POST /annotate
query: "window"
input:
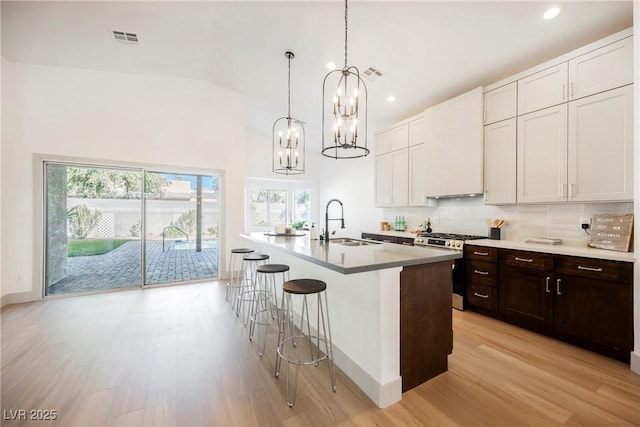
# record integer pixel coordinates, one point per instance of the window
(270, 203)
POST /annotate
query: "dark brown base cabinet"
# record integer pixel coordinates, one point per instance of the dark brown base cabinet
(582, 301)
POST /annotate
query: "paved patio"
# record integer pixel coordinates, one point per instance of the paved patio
(120, 268)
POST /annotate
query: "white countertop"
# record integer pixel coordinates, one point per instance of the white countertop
(580, 251)
(354, 259)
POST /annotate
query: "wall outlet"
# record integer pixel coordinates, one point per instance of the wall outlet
(584, 223)
(436, 220)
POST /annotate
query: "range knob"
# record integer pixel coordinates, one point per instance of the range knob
(458, 244)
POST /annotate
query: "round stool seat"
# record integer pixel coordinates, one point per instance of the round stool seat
(241, 251)
(255, 257)
(272, 268)
(304, 286)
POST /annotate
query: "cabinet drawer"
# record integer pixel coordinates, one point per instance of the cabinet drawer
(482, 296)
(481, 253)
(616, 271)
(407, 241)
(481, 272)
(530, 260)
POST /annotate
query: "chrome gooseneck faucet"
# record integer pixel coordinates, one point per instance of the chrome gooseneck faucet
(327, 219)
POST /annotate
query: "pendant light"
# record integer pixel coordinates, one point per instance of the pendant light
(288, 138)
(344, 112)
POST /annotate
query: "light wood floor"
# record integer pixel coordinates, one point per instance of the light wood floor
(178, 356)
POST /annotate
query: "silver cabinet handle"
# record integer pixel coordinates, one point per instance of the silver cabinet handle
(481, 253)
(523, 259)
(407, 244)
(558, 287)
(484, 273)
(480, 295)
(546, 285)
(598, 269)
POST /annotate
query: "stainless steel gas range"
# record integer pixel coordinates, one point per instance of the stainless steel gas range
(451, 241)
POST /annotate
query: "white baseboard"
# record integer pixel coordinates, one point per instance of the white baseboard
(635, 362)
(17, 298)
(382, 395)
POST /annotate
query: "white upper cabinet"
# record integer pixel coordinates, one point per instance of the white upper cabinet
(417, 131)
(543, 89)
(500, 162)
(500, 103)
(395, 138)
(391, 179)
(601, 146)
(454, 146)
(606, 68)
(542, 156)
(417, 160)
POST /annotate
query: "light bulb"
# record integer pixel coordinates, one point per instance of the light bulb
(355, 92)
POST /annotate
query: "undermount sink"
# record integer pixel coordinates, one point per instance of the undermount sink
(351, 242)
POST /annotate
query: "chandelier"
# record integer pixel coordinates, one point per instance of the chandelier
(344, 112)
(288, 138)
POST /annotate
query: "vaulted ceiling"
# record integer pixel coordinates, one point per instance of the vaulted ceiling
(427, 51)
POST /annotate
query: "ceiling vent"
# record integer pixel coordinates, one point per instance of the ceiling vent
(121, 36)
(372, 74)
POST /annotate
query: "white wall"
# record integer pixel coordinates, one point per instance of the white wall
(113, 118)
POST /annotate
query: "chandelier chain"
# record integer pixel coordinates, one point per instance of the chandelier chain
(289, 89)
(345, 32)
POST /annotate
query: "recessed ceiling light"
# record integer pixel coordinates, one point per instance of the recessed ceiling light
(331, 66)
(391, 98)
(551, 13)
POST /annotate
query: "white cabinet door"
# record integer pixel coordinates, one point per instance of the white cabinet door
(601, 146)
(400, 178)
(383, 176)
(606, 68)
(542, 156)
(399, 137)
(382, 142)
(543, 89)
(500, 103)
(417, 160)
(500, 163)
(417, 131)
(454, 146)
(392, 179)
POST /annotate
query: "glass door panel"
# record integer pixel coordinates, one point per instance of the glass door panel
(92, 228)
(181, 227)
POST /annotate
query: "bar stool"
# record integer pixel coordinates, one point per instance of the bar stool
(292, 346)
(234, 275)
(247, 289)
(265, 311)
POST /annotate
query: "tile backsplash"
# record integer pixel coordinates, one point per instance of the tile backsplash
(467, 215)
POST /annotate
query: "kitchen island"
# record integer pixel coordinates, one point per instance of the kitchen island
(389, 307)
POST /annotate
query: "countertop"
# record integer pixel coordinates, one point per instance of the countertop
(354, 259)
(579, 251)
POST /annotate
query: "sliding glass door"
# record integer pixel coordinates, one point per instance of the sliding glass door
(181, 228)
(99, 228)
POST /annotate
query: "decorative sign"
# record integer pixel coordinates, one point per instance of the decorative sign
(612, 231)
